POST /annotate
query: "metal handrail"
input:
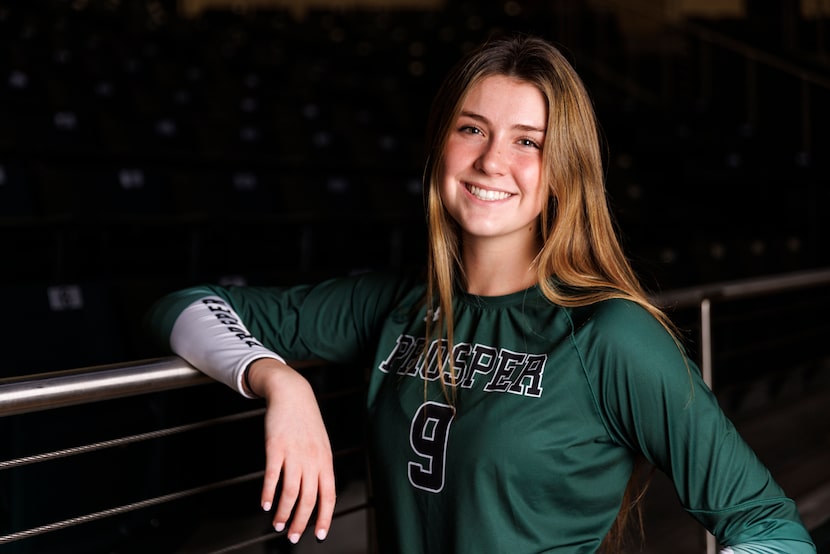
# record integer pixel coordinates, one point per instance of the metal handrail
(46, 391)
(43, 391)
(742, 288)
(702, 297)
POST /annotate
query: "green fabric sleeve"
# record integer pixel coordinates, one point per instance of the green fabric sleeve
(654, 401)
(336, 320)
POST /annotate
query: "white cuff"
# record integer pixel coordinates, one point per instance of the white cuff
(211, 336)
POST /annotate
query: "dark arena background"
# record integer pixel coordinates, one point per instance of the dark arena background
(148, 145)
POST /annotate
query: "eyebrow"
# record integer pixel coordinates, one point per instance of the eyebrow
(520, 126)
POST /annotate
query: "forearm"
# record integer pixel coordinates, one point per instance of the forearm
(211, 336)
(204, 329)
(266, 376)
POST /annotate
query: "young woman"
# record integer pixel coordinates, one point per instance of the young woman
(513, 388)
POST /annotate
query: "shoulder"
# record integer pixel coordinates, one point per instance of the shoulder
(617, 320)
(619, 340)
(638, 371)
(385, 288)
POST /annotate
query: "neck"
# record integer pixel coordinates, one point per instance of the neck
(494, 269)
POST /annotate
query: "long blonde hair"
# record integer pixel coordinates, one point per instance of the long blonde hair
(581, 260)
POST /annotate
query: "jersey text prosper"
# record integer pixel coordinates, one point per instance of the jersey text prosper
(513, 372)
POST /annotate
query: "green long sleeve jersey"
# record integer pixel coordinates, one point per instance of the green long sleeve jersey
(531, 448)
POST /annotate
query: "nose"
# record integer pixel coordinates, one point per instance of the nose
(491, 160)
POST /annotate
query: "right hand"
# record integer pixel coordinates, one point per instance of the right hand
(297, 450)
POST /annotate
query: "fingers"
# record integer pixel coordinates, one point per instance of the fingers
(304, 499)
(325, 506)
(269, 483)
(299, 468)
(298, 497)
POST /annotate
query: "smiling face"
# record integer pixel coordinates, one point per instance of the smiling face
(490, 177)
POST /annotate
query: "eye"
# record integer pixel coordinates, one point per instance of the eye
(470, 130)
(529, 143)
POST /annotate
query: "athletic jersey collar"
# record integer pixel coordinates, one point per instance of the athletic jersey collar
(506, 300)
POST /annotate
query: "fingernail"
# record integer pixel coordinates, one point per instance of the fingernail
(294, 538)
(279, 527)
(321, 535)
(266, 506)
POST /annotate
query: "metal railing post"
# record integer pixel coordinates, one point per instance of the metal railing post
(706, 340)
(706, 370)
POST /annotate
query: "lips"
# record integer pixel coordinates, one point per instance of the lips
(487, 195)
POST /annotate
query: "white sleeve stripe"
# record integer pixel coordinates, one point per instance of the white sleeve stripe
(211, 336)
(771, 546)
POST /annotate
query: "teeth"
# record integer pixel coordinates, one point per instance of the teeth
(488, 195)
